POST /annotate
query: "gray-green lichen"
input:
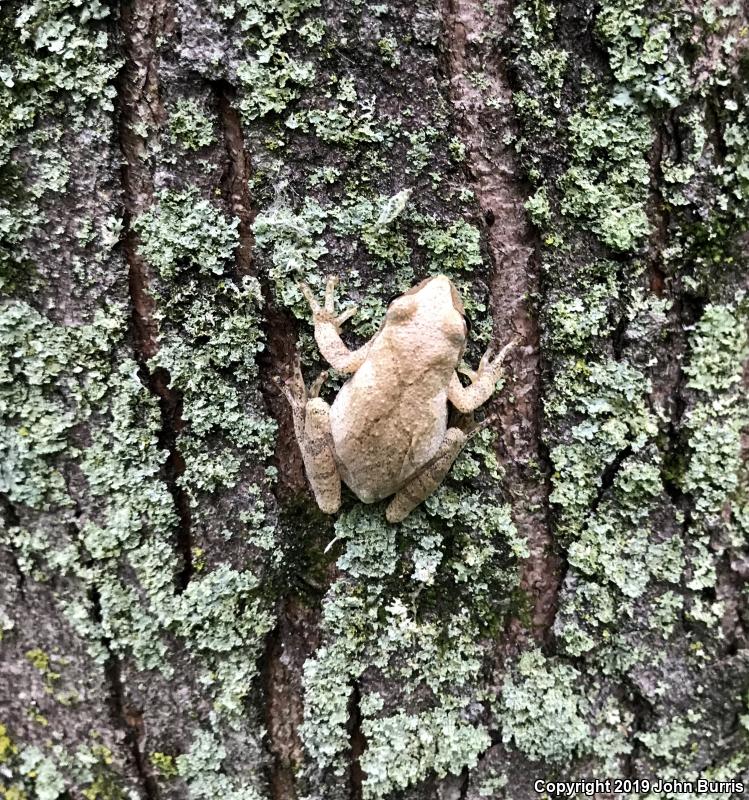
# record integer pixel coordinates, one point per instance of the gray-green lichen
(543, 711)
(719, 348)
(190, 125)
(403, 749)
(50, 773)
(55, 67)
(376, 628)
(269, 76)
(183, 230)
(639, 490)
(201, 769)
(44, 394)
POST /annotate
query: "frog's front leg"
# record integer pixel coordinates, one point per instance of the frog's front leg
(311, 415)
(469, 398)
(328, 330)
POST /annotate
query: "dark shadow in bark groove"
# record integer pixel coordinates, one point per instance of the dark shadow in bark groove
(141, 23)
(357, 743)
(641, 711)
(492, 169)
(128, 719)
(237, 173)
(657, 213)
(609, 476)
(282, 771)
(170, 405)
(276, 361)
(11, 520)
(465, 784)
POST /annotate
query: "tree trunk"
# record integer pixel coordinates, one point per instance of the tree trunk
(177, 617)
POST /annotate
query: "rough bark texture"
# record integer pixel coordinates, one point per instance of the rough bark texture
(177, 619)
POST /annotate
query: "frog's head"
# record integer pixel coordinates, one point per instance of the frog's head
(430, 320)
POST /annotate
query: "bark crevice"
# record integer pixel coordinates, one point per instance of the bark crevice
(294, 638)
(282, 769)
(357, 743)
(465, 783)
(140, 109)
(491, 168)
(609, 476)
(236, 176)
(288, 644)
(640, 713)
(11, 520)
(669, 378)
(128, 719)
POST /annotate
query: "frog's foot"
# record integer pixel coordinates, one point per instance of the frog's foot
(490, 366)
(326, 313)
(296, 394)
(429, 477)
(468, 424)
(294, 388)
(483, 381)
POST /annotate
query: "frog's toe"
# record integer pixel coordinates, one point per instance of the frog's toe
(496, 362)
(330, 293)
(347, 314)
(293, 388)
(317, 384)
(309, 297)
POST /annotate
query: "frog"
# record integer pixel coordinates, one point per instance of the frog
(388, 432)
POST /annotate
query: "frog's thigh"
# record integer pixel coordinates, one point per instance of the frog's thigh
(317, 453)
(428, 479)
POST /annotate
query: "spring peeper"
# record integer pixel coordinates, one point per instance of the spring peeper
(387, 432)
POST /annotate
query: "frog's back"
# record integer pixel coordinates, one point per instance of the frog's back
(382, 437)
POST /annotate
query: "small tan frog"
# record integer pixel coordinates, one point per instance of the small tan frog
(386, 432)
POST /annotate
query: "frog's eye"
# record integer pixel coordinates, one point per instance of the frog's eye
(455, 337)
(457, 302)
(456, 333)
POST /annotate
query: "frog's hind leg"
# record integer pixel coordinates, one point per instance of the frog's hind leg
(431, 475)
(428, 478)
(311, 416)
(319, 463)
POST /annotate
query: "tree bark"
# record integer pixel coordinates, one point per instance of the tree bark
(177, 617)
